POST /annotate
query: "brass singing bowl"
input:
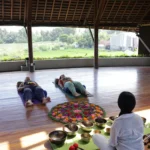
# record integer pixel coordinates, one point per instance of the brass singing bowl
(57, 137)
(70, 129)
(100, 122)
(107, 130)
(87, 125)
(85, 137)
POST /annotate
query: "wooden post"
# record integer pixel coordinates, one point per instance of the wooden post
(96, 37)
(29, 33)
(96, 46)
(91, 34)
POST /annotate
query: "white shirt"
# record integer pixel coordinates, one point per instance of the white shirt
(127, 133)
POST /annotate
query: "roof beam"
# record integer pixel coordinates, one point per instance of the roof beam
(82, 9)
(37, 4)
(139, 10)
(102, 12)
(60, 10)
(52, 10)
(91, 5)
(132, 10)
(101, 15)
(20, 9)
(2, 9)
(118, 10)
(75, 10)
(44, 9)
(11, 9)
(25, 11)
(111, 9)
(98, 12)
(68, 10)
(146, 12)
(125, 10)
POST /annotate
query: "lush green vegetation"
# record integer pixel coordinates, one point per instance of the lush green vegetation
(54, 44)
(51, 50)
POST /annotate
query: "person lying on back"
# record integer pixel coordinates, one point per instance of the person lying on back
(30, 89)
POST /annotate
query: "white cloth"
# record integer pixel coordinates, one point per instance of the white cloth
(126, 134)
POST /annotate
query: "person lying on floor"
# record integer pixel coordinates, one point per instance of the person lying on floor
(127, 130)
(67, 83)
(30, 88)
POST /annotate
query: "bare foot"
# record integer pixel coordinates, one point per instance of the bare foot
(28, 103)
(46, 100)
(77, 94)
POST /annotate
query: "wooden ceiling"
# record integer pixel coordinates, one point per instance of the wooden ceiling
(108, 14)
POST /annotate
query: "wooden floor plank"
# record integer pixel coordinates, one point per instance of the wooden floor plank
(17, 122)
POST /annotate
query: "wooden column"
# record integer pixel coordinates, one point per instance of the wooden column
(96, 46)
(96, 37)
(29, 33)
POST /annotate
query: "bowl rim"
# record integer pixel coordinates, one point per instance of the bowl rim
(65, 135)
(89, 136)
(87, 126)
(100, 122)
(73, 124)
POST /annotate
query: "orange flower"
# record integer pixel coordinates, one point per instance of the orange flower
(60, 115)
(85, 118)
(74, 119)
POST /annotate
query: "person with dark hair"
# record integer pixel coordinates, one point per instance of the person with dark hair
(30, 89)
(127, 130)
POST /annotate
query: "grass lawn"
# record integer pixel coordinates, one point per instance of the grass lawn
(43, 50)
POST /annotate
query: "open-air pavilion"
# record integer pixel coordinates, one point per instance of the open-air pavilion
(20, 127)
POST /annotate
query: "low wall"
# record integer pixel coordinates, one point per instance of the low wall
(76, 63)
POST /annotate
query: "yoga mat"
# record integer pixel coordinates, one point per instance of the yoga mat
(69, 95)
(35, 101)
(85, 146)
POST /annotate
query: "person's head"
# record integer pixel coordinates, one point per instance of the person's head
(56, 81)
(62, 77)
(126, 102)
(27, 79)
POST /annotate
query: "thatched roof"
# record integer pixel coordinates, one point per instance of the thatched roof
(110, 14)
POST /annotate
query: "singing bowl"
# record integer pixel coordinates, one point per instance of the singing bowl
(70, 129)
(146, 139)
(85, 137)
(57, 137)
(87, 125)
(107, 130)
(100, 122)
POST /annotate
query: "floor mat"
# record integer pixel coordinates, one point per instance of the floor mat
(71, 96)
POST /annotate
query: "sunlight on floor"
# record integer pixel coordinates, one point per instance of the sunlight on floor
(32, 139)
(4, 146)
(41, 147)
(145, 114)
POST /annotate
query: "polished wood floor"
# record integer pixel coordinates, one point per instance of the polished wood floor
(27, 129)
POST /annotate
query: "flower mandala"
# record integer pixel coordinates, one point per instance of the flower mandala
(75, 112)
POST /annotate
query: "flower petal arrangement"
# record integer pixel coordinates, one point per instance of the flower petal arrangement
(74, 112)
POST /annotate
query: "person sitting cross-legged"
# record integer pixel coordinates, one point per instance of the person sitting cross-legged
(127, 130)
(31, 89)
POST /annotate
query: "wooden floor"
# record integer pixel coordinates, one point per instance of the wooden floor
(27, 129)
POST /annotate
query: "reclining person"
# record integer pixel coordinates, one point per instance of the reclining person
(75, 87)
(30, 89)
